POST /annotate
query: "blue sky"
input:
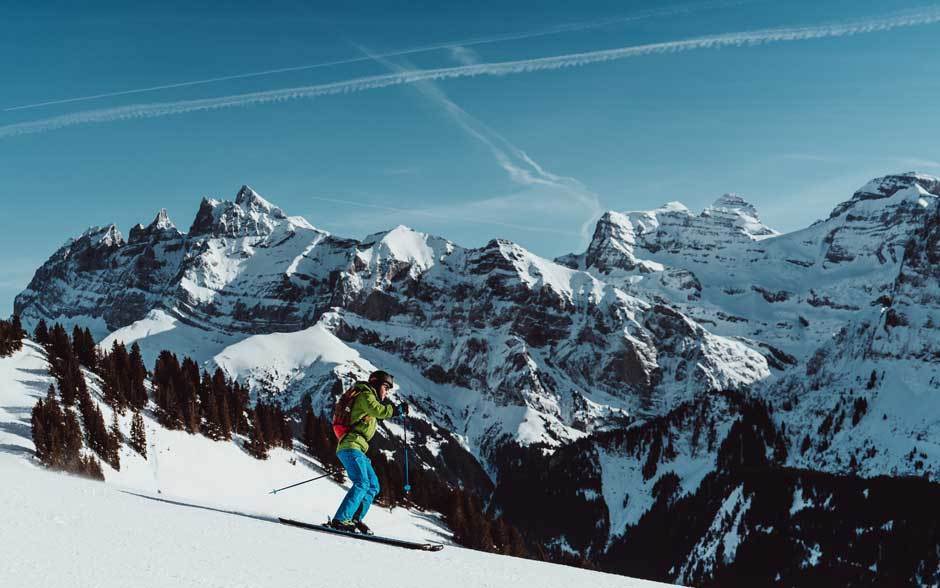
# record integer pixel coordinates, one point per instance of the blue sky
(794, 121)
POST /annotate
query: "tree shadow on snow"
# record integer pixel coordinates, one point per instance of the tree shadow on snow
(16, 450)
(19, 429)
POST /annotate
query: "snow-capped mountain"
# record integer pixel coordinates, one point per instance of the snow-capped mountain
(497, 343)
(652, 374)
(849, 295)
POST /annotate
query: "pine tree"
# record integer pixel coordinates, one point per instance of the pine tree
(83, 347)
(115, 429)
(114, 440)
(59, 345)
(72, 438)
(209, 411)
(56, 435)
(311, 436)
(517, 547)
(41, 333)
(501, 536)
(17, 332)
(91, 468)
(137, 393)
(457, 518)
(42, 439)
(11, 336)
(257, 447)
(138, 435)
(238, 405)
(221, 391)
(166, 376)
(286, 432)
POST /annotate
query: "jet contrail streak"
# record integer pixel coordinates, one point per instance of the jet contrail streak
(740, 39)
(565, 28)
(521, 168)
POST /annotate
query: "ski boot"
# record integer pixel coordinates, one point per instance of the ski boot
(362, 527)
(347, 526)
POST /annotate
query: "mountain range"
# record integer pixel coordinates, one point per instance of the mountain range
(675, 402)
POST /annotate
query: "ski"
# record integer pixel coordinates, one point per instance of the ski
(373, 538)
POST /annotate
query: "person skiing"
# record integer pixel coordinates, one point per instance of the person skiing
(354, 422)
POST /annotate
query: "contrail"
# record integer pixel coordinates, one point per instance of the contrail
(740, 39)
(521, 168)
(555, 30)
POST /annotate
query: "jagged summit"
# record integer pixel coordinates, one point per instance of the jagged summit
(160, 228)
(108, 236)
(887, 186)
(249, 214)
(733, 201)
(249, 199)
(625, 240)
(890, 191)
(162, 221)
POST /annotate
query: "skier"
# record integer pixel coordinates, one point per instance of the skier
(354, 422)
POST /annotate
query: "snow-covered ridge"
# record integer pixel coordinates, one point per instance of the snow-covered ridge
(863, 273)
(890, 191)
(543, 352)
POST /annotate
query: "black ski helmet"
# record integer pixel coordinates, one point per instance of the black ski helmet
(379, 376)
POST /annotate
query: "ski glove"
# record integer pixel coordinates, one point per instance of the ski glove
(401, 409)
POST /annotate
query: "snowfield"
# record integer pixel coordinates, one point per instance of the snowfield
(199, 513)
(65, 531)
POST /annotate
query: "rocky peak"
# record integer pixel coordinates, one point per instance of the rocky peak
(740, 216)
(614, 233)
(107, 236)
(887, 186)
(162, 221)
(891, 190)
(248, 215)
(160, 229)
(250, 200)
(732, 201)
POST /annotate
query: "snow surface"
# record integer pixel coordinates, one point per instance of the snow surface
(199, 513)
(72, 532)
(160, 330)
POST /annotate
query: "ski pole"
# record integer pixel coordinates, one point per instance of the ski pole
(407, 485)
(275, 491)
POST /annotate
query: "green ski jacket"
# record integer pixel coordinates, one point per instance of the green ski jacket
(366, 409)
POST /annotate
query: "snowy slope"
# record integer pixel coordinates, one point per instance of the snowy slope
(136, 529)
(192, 468)
(64, 531)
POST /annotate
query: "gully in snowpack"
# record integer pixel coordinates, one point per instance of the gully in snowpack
(355, 418)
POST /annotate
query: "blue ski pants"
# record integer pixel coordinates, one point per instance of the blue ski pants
(365, 485)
